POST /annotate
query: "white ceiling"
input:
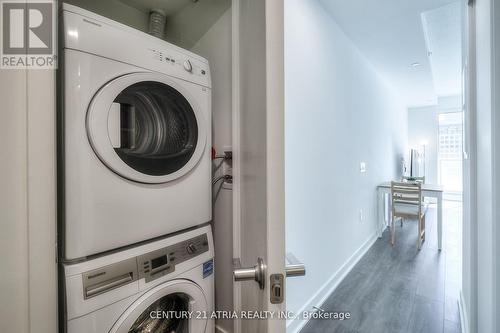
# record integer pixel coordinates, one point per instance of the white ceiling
(391, 35)
(443, 39)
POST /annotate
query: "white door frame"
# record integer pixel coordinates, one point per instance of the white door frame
(472, 305)
(496, 159)
(235, 31)
(274, 12)
(275, 131)
(467, 303)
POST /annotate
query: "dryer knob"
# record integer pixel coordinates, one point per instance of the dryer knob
(191, 248)
(188, 66)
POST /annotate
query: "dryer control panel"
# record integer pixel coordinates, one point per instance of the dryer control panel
(177, 62)
(142, 49)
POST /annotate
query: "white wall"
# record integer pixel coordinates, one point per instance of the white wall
(423, 126)
(187, 26)
(339, 112)
(215, 45)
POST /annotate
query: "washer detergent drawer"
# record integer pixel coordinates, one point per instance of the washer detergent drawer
(97, 288)
(110, 277)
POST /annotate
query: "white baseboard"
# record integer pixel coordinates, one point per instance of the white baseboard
(219, 329)
(464, 318)
(329, 287)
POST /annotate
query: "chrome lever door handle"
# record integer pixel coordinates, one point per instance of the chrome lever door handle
(294, 267)
(256, 273)
(295, 270)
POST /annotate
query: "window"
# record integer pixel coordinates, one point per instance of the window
(450, 151)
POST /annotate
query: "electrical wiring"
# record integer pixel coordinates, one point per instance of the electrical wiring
(224, 177)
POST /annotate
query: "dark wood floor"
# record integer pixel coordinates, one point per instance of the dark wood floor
(398, 289)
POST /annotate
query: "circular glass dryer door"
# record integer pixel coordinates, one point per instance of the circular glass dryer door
(146, 127)
(176, 306)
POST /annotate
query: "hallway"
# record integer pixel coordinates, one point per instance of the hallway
(399, 289)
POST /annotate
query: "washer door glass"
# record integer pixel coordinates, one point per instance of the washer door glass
(168, 314)
(149, 127)
(178, 306)
(158, 130)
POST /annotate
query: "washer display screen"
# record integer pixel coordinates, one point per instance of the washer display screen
(158, 262)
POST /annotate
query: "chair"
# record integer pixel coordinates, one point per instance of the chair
(420, 180)
(406, 199)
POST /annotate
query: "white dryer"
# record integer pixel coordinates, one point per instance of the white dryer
(135, 136)
(163, 286)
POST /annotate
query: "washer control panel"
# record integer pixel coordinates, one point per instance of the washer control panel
(149, 266)
(158, 263)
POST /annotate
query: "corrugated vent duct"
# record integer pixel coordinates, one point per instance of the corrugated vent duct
(157, 21)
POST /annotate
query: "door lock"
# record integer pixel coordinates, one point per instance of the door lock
(277, 288)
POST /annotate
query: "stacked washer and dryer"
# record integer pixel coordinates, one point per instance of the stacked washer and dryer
(134, 181)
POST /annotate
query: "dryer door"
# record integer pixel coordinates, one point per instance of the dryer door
(147, 127)
(176, 306)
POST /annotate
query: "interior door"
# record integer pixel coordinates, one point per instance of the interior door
(258, 169)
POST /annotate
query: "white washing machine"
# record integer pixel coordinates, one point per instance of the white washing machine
(135, 136)
(164, 286)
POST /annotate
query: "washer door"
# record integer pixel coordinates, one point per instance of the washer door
(146, 127)
(164, 309)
